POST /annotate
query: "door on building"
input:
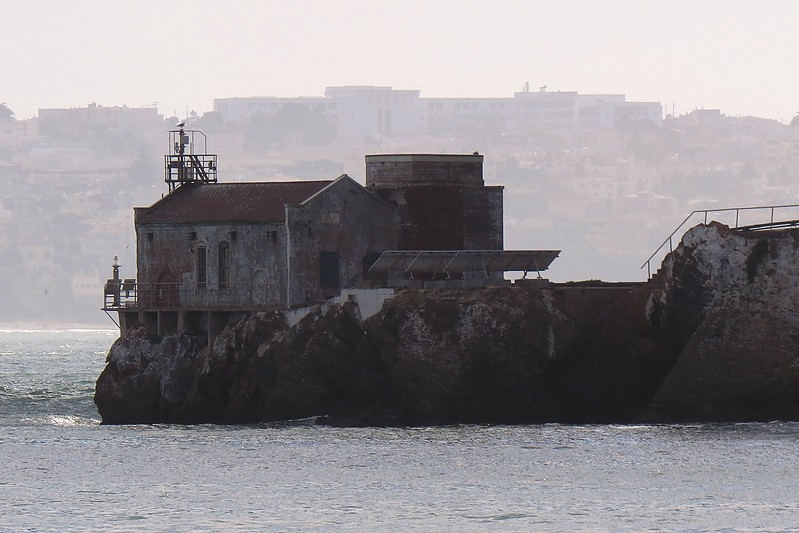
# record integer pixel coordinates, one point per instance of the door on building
(201, 266)
(166, 290)
(223, 266)
(329, 270)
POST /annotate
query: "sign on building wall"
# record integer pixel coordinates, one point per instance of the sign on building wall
(331, 217)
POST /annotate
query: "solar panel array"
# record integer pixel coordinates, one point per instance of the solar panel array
(433, 261)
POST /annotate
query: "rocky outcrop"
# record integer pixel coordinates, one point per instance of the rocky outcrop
(732, 299)
(258, 369)
(715, 338)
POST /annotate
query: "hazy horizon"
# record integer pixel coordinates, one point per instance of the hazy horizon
(182, 55)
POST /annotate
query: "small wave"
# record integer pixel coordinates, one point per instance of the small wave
(64, 421)
(498, 517)
(309, 421)
(511, 516)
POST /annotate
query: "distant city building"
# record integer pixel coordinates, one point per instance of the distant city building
(366, 111)
(363, 111)
(242, 109)
(85, 287)
(97, 118)
(452, 115)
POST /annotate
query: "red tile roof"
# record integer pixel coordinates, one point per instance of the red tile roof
(230, 202)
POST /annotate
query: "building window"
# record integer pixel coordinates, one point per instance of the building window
(329, 270)
(224, 265)
(201, 274)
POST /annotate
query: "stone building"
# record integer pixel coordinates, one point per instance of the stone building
(209, 252)
(230, 246)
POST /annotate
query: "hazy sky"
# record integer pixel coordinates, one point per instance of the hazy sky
(738, 56)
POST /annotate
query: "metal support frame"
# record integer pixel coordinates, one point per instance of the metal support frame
(111, 317)
(185, 165)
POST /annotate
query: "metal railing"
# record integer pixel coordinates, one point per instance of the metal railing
(737, 210)
(189, 168)
(133, 295)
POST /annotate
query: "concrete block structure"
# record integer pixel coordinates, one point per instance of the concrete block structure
(442, 200)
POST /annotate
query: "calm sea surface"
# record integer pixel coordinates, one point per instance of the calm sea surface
(61, 471)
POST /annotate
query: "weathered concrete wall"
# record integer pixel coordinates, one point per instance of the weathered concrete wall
(442, 200)
(449, 218)
(344, 218)
(167, 254)
(369, 302)
(432, 218)
(482, 218)
(400, 170)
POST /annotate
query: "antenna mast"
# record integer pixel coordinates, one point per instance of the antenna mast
(188, 160)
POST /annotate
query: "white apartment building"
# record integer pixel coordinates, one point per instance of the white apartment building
(360, 112)
(365, 111)
(241, 109)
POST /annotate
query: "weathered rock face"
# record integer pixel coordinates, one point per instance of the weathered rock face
(733, 300)
(259, 369)
(716, 338)
(430, 357)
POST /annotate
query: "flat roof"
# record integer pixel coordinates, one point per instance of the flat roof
(471, 158)
(433, 261)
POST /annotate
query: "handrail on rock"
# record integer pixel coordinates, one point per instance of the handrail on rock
(737, 211)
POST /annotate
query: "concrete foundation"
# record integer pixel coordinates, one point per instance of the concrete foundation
(532, 283)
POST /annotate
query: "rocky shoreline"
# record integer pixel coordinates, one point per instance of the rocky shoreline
(714, 338)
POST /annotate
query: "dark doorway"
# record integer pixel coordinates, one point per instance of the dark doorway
(329, 270)
(202, 272)
(224, 264)
(166, 292)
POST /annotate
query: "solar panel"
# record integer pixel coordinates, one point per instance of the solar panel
(433, 261)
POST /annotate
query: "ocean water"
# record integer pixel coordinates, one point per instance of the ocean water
(62, 471)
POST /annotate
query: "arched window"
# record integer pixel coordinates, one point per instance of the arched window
(224, 264)
(201, 265)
